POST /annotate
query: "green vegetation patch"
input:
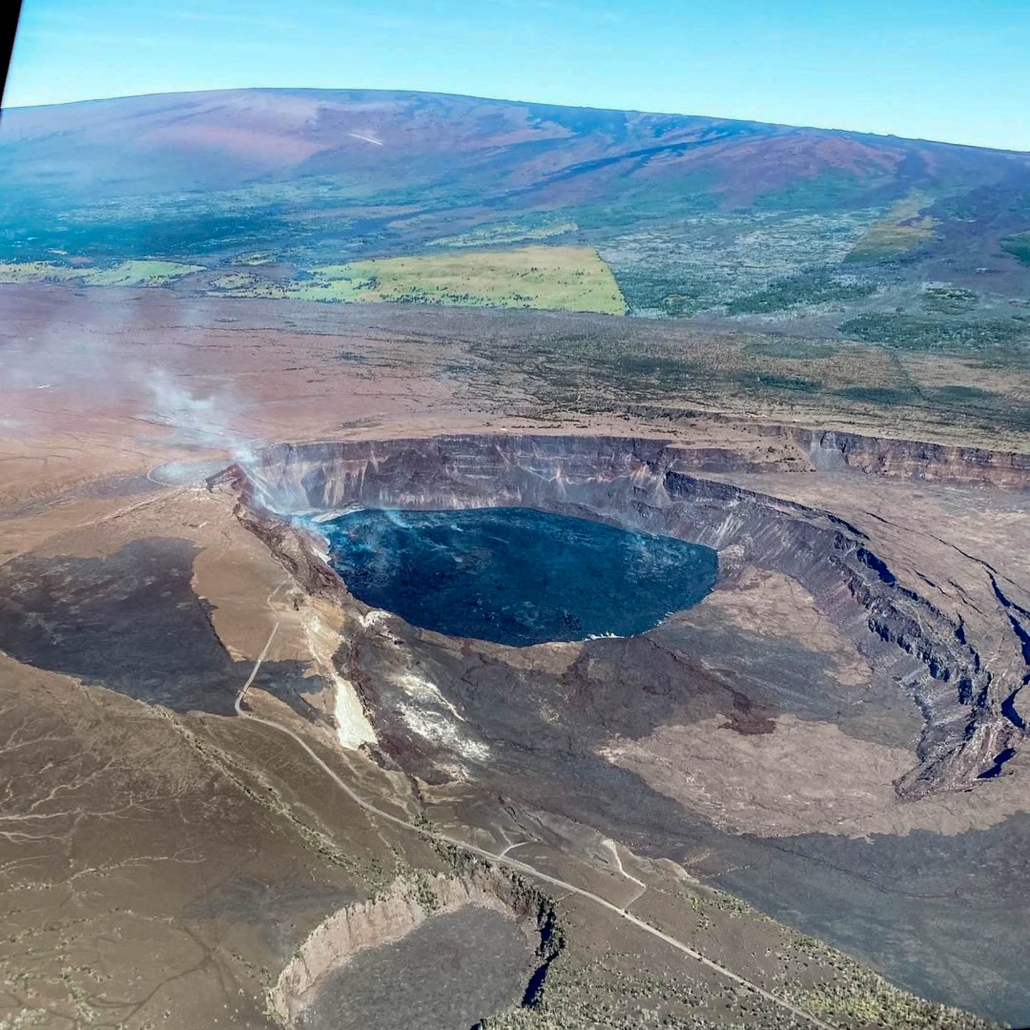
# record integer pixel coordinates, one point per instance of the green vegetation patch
(681, 267)
(140, 273)
(797, 384)
(859, 996)
(125, 273)
(664, 291)
(888, 239)
(945, 299)
(103, 234)
(568, 278)
(255, 257)
(885, 396)
(499, 233)
(828, 191)
(950, 402)
(260, 219)
(640, 201)
(902, 230)
(236, 282)
(965, 393)
(912, 332)
(39, 272)
(810, 286)
(1018, 245)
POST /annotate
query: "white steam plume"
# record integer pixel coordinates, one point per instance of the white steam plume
(200, 420)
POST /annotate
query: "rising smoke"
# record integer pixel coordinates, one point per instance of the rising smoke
(200, 420)
(85, 364)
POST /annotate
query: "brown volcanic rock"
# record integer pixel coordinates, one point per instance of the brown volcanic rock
(230, 846)
(905, 459)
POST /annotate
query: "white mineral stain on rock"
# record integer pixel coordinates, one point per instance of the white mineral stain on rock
(434, 718)
(424, 691)
(434, 726)
(352, 726)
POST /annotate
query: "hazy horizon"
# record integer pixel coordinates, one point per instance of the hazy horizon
(918, 72)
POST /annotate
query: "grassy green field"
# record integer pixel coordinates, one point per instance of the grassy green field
(559, 278)
(902, 230)
(140, 273)
(39, 272)
(124, 273)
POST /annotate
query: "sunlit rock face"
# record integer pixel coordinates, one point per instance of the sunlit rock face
(914, 652)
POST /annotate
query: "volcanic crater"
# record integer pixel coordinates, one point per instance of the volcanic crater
(918, 659)
(434, 952)
(837, 724)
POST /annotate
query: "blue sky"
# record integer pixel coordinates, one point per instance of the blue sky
(939, 70)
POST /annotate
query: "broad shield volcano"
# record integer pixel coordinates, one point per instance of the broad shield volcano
(634, 632)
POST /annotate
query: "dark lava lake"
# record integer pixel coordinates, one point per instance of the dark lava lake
(516, 575)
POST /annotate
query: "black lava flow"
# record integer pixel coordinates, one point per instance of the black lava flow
(516, 576)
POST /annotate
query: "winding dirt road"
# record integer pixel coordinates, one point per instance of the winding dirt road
(502, 859)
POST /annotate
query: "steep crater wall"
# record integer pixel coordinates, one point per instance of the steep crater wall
(433, 951)
(972, 720)
(829, 450)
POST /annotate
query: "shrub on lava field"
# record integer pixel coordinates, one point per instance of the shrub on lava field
(910, 332)
(811, 286)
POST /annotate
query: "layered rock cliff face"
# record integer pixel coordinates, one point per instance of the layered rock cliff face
(829, 450)
(906, 459)
(974, 717)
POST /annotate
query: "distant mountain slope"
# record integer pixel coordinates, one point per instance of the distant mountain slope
(694, 215)
(228, 139)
